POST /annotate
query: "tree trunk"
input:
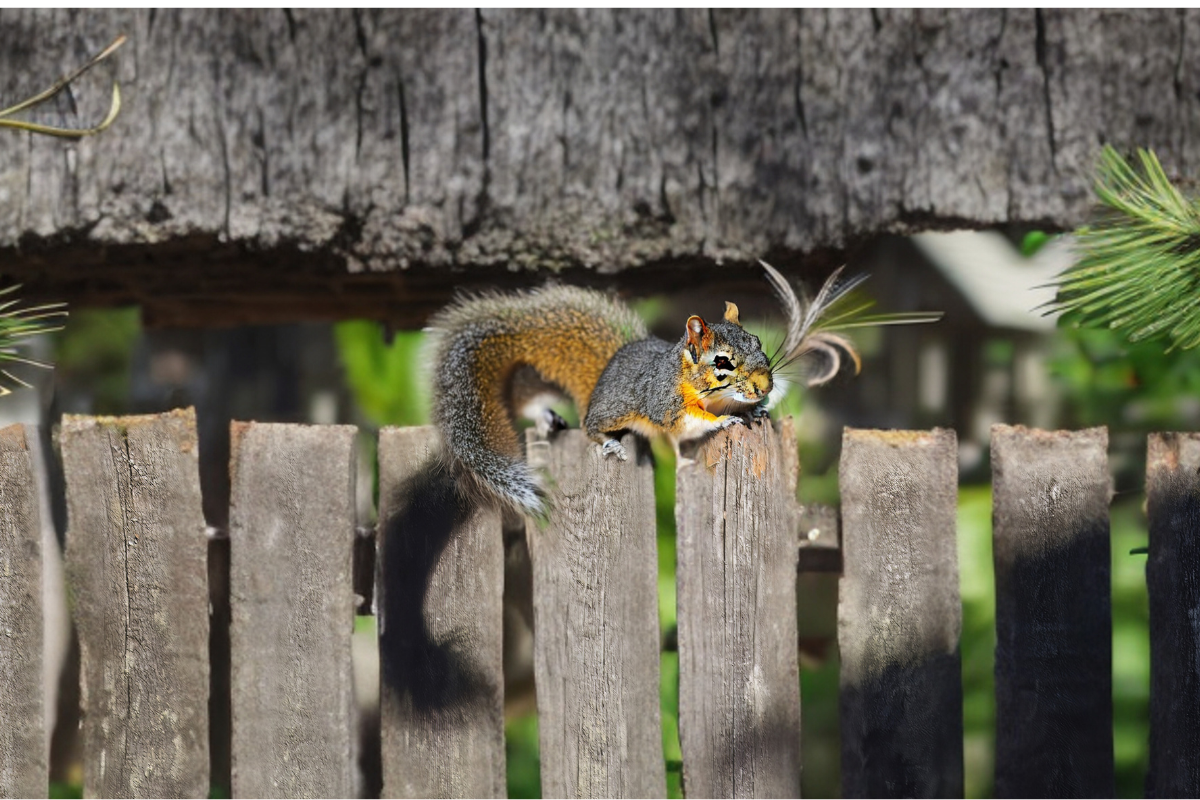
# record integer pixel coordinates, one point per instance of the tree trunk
(275, 164)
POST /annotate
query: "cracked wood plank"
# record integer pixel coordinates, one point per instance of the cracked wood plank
(137, 560)
(1050, 496)
(899, 615)
(1173, 582)
(595, 603)
(440, 585)
(359, 161)
(23, 766)
(291, 596)
(739, 685)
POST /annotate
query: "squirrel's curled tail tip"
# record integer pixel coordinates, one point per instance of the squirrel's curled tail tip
(512, 485)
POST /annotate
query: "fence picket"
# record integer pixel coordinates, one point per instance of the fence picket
(1173, 582)
(137, 558)
(441, 579)
(1050, 500)
(900, 616)
(595, 599)
(739, 687)
(292, 528)
(23, 768)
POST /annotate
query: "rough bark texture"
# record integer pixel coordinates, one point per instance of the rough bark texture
(739, 688)
(1050, 496)
(900, 616)
(137, 557)
(1173, 582)
(441, 584)
(595, 603)
(23, 768)
(286, 164)
(291, 598)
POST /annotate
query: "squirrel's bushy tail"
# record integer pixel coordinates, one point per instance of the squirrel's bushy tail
(482, 349)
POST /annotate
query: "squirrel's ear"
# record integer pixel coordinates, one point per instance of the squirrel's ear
(731, 313)
(697, 333)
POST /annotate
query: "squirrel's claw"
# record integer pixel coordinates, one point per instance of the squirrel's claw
(729, 421)
(758, 412)
(612, 447)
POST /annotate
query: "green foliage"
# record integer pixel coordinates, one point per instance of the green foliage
(94, 351)
(1139, 268)
(385, 378)
(1128, 386)
(1032, 242)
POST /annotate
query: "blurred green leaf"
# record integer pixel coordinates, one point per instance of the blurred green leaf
(387, 379)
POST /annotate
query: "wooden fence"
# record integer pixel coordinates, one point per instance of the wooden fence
(138, 563)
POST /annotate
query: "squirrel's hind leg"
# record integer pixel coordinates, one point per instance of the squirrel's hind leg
(532, 397)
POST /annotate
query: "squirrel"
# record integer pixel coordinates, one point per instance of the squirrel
(499, 355)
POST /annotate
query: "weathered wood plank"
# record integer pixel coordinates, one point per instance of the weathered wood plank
(739, 686)
(900, 616)
(292, 521)
(137, 559)
(440, 589)
(1050, 496)
(1173, 581)
(23, 767)
(596, 646)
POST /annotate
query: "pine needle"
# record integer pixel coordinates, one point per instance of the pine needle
(17, 326)
(1139, 266)
(114, 107)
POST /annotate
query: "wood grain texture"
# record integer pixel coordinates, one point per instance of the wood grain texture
(440, 589)
(1050, 496)
(900, 616)
(137, 561)
(596, 642)
(739, 687)
(334, 163)
(23, 767)
(291, 594)
(1173, 582)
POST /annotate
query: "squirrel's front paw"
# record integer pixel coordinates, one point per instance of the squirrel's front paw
(611, 448)
(730, 421)
(758, 412)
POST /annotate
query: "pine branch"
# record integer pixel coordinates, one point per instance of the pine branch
(1139, 266)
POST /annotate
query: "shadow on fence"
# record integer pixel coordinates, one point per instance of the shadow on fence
(139, 575)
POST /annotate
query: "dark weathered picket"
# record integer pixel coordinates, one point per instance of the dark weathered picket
(441, 568)
(1050, 501)
(595, 600)
(739, 691)
(23, 768)
(1173, 581)
(899, 615)
(291, 597)
(137, 560)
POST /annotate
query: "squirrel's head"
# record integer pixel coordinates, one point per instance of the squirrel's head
(724, 364)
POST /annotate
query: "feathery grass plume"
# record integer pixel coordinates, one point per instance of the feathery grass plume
(815, 327)
(1139, 266)
(17, 326)
(114, 108)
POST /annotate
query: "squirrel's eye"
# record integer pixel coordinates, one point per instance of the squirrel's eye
(721, 362)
